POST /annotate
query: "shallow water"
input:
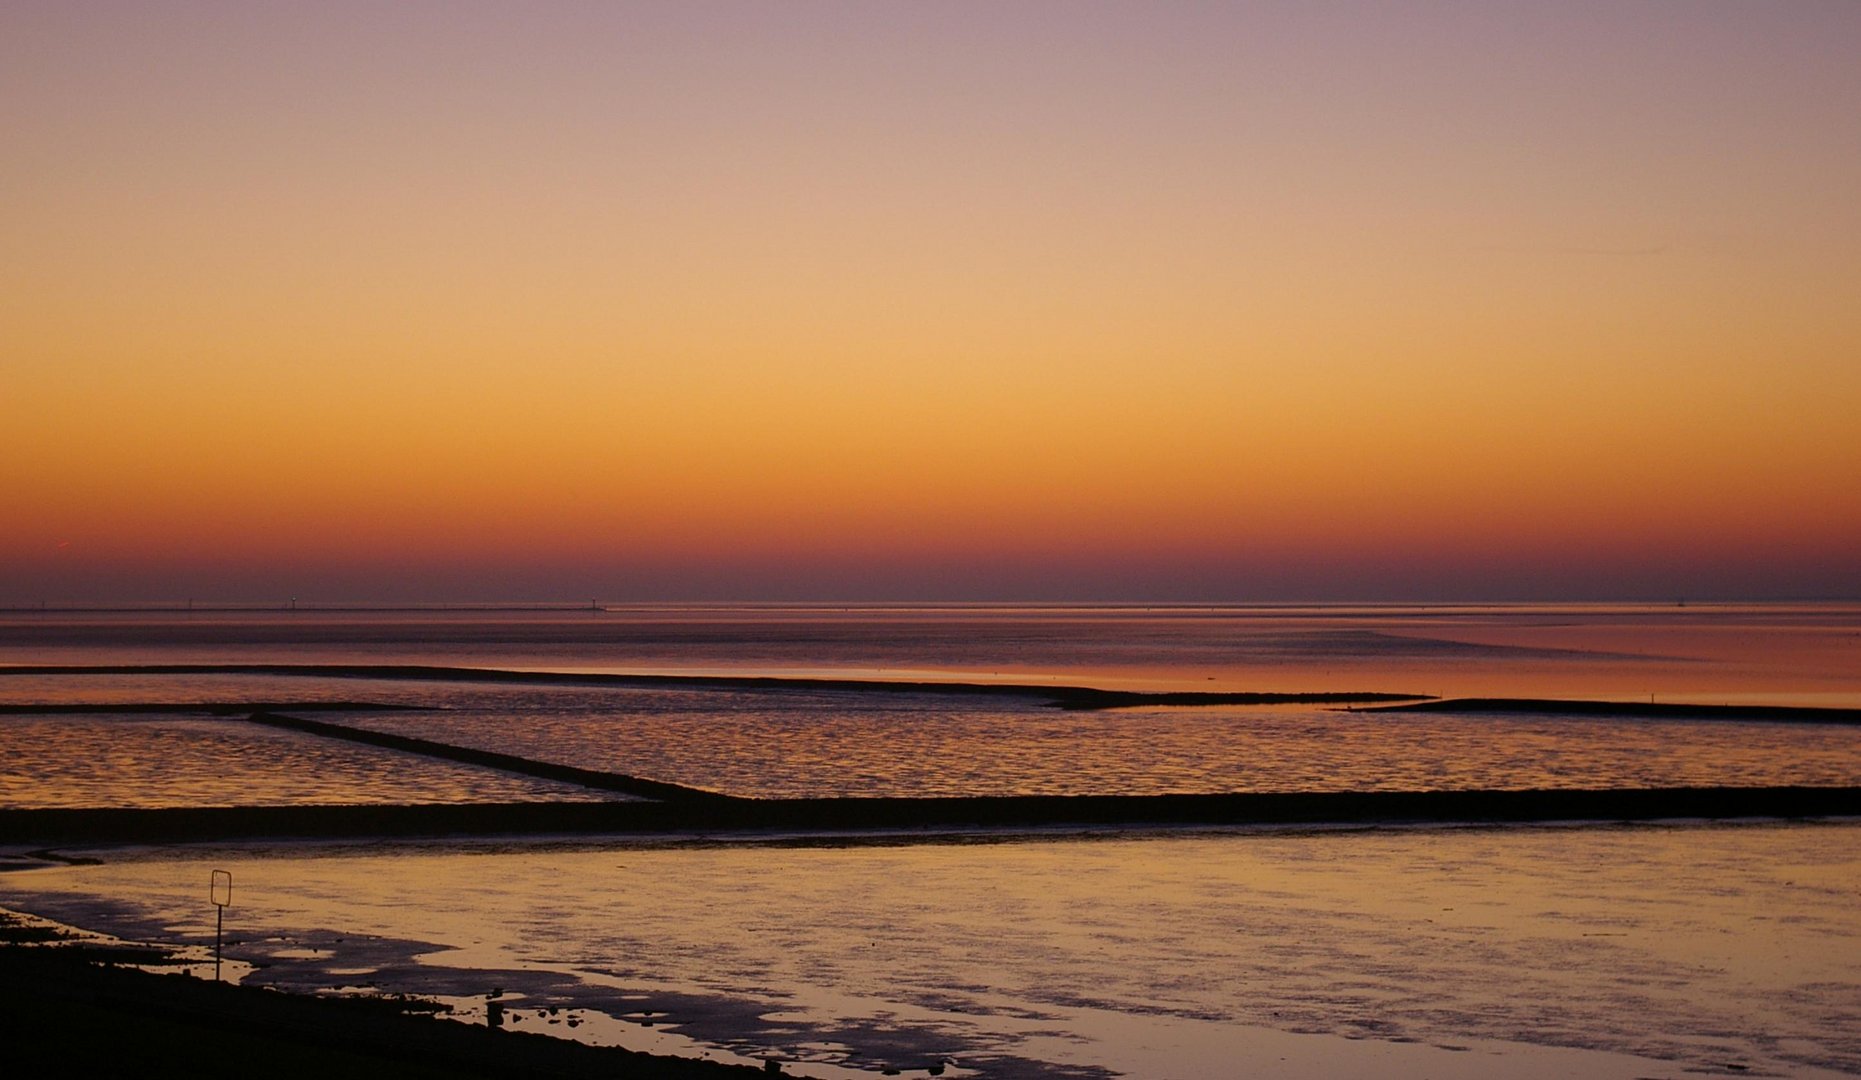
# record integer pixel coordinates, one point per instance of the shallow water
(793, 745)
(1596, 951)
(152, 760)
(803, 743)
(1779, 652)
(1639, 951)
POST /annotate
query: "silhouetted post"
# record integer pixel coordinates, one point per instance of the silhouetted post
(220, 891)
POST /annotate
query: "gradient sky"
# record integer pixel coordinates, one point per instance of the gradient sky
(1244, 301)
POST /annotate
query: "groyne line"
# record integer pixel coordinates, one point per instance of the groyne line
(510, 763)
(874, 816)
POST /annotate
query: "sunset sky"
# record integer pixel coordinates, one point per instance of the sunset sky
(1058, 301)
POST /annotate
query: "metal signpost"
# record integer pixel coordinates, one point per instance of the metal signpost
(220, 891)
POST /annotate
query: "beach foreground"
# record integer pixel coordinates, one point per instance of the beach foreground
(1624, 952)
(868, 844)
(68, 1008)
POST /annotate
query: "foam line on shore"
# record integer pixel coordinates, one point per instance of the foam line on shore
(853, 816)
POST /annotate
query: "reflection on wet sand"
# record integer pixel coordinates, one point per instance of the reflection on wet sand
(1651, 951)
(1636, 951)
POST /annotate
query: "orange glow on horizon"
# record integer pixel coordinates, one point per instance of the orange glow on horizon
(503, 297)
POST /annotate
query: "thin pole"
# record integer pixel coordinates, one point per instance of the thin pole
(219, 923)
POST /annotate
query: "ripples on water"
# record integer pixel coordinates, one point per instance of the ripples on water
(1713, 949)
(1720, 950)
(793, 744)
(154, 761)
(1772, 651)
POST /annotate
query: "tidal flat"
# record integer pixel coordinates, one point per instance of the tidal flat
(1629, 951)
(1233, 872)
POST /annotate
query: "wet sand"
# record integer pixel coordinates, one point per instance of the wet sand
(1451, 954)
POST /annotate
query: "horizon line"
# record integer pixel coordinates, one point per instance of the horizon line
(597, 605)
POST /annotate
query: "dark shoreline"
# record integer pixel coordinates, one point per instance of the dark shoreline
(877, 816)
(66, 1011)
(1641, 710)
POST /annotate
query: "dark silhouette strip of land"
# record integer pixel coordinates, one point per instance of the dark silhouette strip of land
(63, 1013)
(1065, 697)
(638, 787)
(873, 816)
(1648, 710)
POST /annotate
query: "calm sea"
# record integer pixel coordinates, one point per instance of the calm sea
(793, 743)
(1645, 951)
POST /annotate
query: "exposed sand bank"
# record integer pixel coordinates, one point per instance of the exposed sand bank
(1065, 697)
(854, 815)
(1651, 710)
